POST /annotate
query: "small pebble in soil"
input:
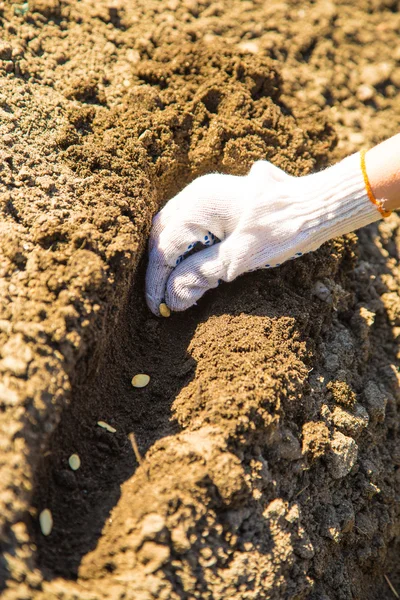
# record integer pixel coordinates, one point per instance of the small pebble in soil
(46, 521)
(164, 310)
(74, 462)
(140, 380)
(105, 425)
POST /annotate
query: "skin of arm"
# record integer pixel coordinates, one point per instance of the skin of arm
(383, 167)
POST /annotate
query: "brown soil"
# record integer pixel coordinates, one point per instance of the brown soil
(269, 434)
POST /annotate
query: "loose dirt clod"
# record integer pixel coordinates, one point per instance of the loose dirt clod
(46, 521)
(140, 380)
(74, 462)
(105, 425)
(164, 310)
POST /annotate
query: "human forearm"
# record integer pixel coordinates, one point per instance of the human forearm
(383, 167)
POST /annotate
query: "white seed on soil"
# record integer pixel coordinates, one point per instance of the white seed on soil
(140, 380)
(164, 310)
(74, 462)
(46, 521)
(105, 425)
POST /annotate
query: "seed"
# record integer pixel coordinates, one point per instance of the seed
(140, 380)
(105, 425)
(74, 462)
(46, 521)
(164, 310)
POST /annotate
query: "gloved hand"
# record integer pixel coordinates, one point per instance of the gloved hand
(246, 223)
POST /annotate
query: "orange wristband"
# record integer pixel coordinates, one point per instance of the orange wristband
(378, 203)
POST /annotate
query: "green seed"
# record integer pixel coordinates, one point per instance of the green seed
(46, 521)
(140, 380)
(105, 425)
(74, 462)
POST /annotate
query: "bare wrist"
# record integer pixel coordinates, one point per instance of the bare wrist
(383, 168)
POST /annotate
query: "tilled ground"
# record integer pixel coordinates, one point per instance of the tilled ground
(268, 436)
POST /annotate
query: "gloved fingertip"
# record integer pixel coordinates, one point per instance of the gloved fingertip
(181, 295)
(178, 304)
(153, 304)
(197, 274)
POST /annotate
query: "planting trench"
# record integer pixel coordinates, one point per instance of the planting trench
(268, 435)
(248, 491)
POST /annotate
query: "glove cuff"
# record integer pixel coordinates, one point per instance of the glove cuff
(339, 202)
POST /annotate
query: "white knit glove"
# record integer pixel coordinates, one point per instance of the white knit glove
(259, 221)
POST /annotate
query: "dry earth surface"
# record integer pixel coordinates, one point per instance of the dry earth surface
(270, 430)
